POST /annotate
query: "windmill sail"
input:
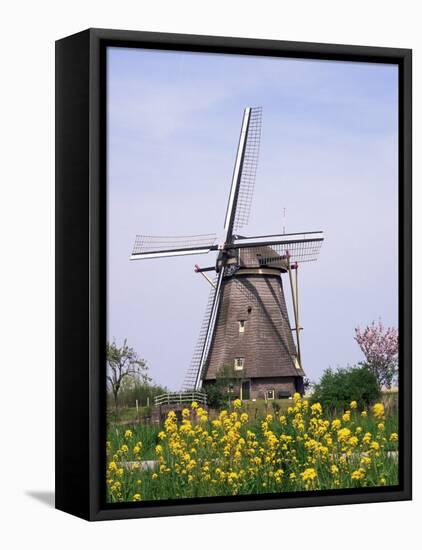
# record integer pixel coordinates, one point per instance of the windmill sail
(243, 181)
(193, 376)
(192, 372)
(249, 168)
(148, 246)
(272, 249)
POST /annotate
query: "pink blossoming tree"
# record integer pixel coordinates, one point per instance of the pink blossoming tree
(380, 347)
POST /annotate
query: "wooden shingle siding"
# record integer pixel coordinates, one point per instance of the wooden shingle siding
(266, 344)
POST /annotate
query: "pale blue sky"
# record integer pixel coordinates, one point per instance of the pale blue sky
(328, 155)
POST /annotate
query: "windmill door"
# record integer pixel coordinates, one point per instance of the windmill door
(246, 390)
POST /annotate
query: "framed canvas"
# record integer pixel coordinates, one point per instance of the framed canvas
(254, 159)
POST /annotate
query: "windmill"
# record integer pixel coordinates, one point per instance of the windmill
(246, 325)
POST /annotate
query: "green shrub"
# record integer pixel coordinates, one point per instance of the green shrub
(337, 389)
(216, 396)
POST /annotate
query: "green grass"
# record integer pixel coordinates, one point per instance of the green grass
(129, 414)
(175, 485)
(146, 434)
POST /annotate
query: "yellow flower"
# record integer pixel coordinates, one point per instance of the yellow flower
(343, 434)
(186, 413)
(162, 435)
(334, 469)
(278, 475)
(375, 445)
(112, 466)
(124, 448)
(353, 404)
(128, 434)
(378, 410)
(358, 474)
(364, 414)
(296, 396)
(136, 497)
(194, 405)
(158, 449)
(185, 428)
(346, 416)
(335, 424)
(292, 476)
(381, 426)
(383, 481)
(316, 408)
(309, 474)
(154, 476)
(116, 486)
(394, 437)
(237, 403)
(244, 418)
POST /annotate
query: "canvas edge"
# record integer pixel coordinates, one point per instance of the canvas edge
(72, 417)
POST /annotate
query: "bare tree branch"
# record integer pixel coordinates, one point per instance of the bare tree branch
(123, 362)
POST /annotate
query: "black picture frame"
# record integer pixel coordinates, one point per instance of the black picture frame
(81, 274)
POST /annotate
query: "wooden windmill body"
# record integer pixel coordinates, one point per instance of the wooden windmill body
(253, 335)
(246, 328)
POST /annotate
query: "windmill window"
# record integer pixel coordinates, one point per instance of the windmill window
(270, 394)
(242, 326)
(239, 363)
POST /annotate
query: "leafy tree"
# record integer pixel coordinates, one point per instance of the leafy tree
(218, 392)
(380, 347)
(216, 396)
(337, 389)
(123, 363)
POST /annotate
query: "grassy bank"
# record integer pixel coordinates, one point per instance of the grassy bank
(249, 450)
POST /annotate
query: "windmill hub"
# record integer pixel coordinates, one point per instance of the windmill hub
(246, 328)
